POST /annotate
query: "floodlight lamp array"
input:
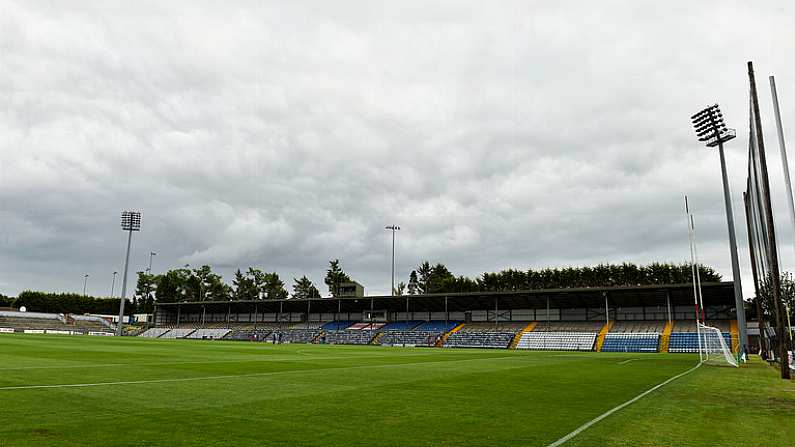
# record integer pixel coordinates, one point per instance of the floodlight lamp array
(710, 127)
(131, 221)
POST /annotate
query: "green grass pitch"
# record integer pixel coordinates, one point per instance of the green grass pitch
(140, 392)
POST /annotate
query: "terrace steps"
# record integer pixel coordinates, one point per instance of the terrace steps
(446, 335)
(528, 328)
(377, 339)
(316, 338)
(600, 338)
(666, 336)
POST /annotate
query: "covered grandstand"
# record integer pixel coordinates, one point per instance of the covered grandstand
(617, 319)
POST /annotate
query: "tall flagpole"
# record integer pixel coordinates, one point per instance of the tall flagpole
(775, 279)
(783, 148)
(693, 272)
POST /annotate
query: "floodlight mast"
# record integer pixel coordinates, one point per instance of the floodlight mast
(711, 129)
(130, 221)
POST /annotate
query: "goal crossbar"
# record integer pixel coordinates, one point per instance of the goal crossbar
(713, 346)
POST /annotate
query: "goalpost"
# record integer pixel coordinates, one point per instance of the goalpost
(714, 349)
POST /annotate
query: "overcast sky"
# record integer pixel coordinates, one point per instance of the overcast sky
(283, 134)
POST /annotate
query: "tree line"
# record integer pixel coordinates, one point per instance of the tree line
(427, 278)
(202, 284)
(66, 303)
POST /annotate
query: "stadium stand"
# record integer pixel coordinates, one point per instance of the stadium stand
(410, 338)
(425, 334)
(557, 341)
(155, 332)
(643, 327)
(688, 341)
(179, 332)
(208, 333)
(437, 326)
(684, 337)
(631, 342)
(569, 326)
(293, 335)
(337, 325)
(347, 337)
(484, 335)
(401, 325)
(248, 334)
(52, 323)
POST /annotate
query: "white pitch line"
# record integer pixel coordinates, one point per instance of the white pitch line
(275, 358)
(627, 361)
(234, 376)
(640, 396)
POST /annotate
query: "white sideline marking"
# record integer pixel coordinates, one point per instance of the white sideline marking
(193, 362)
(233, 376)
(627, 361)
(640, 396)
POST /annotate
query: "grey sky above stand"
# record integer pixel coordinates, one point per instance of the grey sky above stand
(284, 135)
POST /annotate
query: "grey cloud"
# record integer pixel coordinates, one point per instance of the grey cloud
(285, 134)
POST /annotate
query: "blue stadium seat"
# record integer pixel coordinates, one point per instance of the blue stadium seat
(631, 342)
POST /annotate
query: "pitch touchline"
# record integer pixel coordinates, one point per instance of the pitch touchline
(627, 361)
(640, 396)
(231, 376)
(193, 362)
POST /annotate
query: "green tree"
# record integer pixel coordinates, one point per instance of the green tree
(6, 301)
(413, 286)
(172, 286)
(424, 273)
(399, 289)
(244, 287)
(303, 288)
(334, 277)
(273, 287)
(145, 291)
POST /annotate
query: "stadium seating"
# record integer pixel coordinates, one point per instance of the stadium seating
(569, 326)
(248, 334)
(208, 333)
(688, 341)
(154, 332)
(293, 335)
(179, 332)
(558, 341)
(348, 337)
(401, 325)
(479, 339)
(54, 323)
(690, 325)
(410, 338)
(631, 342)
(425, 334)
(484, 335)
(336, 325)
(638, 327)
(437, 326)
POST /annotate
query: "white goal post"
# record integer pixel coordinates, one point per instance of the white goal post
(713, 348)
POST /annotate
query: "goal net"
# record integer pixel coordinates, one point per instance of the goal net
(713, 347)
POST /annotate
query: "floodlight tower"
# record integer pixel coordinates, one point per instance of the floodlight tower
(711, 129)
(113, 284)
(149, 269)
(393, 228)
(130, 221)
(85, 282)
